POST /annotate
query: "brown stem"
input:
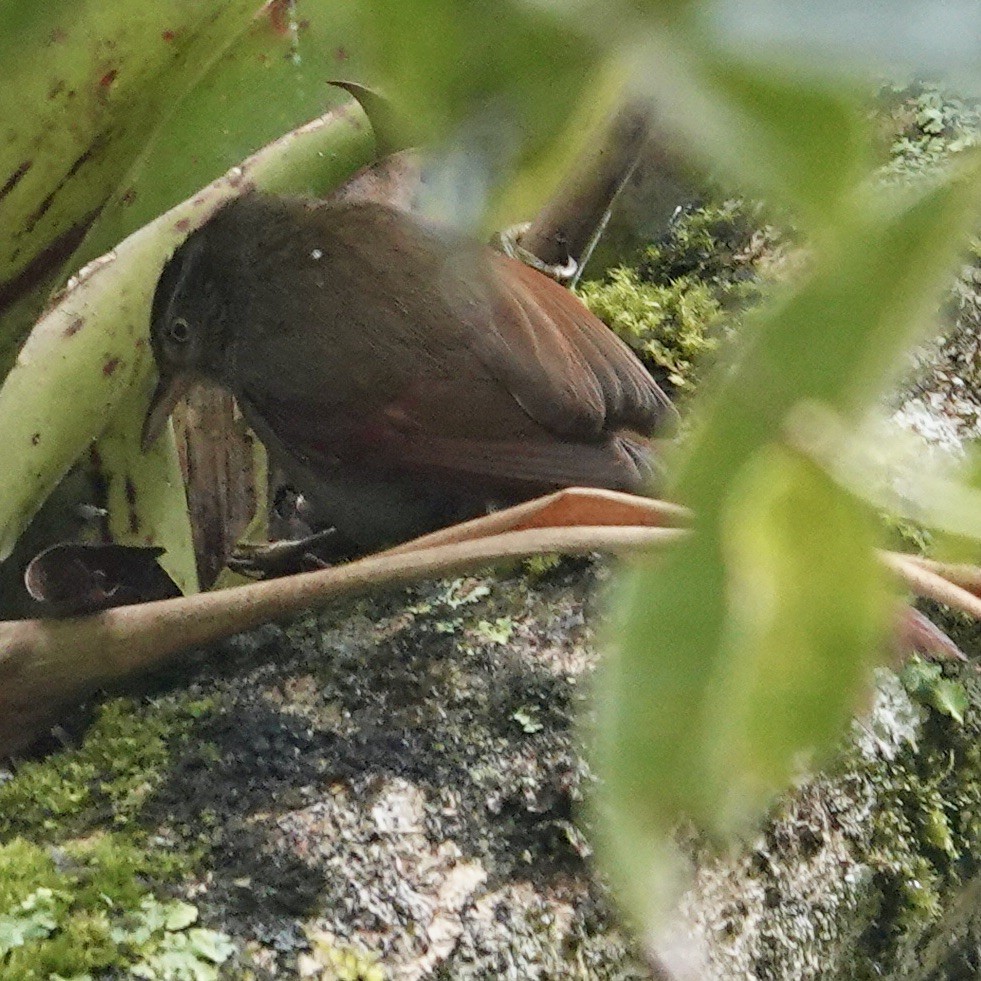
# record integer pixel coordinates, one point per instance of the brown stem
(966, 576)
(45, 664)
(931, 585)
(568, 225)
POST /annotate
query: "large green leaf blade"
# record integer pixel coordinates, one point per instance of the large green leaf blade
(283, 74)
(84, 85)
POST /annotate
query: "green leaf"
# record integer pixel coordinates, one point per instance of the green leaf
(936, 37)
(839, 338)
(84, 84)
(284, 71)
(448, 61)
(499, 84)
(926, 683)
(801, 142)
(805, 610)
(178, 915)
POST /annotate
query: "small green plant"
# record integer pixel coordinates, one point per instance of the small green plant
(87, 907)
(670, 326)
(926, 683)
(923, 124)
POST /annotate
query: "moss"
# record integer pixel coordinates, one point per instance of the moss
(78, 864)
(72, 901)
(683, 295)
(125, 755)
(671, 326)
(925, 829)
(726, 244)
(339, 962)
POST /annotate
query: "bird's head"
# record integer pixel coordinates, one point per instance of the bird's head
(189, 323)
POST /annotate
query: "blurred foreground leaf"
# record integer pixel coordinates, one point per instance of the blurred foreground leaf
(805, 609)
(779, 565)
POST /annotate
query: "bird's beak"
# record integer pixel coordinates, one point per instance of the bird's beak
(169, 391)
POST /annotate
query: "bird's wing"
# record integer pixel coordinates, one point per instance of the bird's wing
(481, 365)
(483, 443)
(565, 367)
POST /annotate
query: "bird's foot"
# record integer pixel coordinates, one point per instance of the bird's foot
(266, 560)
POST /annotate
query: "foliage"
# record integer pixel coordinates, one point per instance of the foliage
(921, 125)
(121, 762)
(671, 327)
(686, 293)
(925, 682)
(329, 961)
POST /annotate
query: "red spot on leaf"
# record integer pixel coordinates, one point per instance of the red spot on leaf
(109, 77)
(129, 196)
(279, 15)
(74, 327)
(168, 36)
(182, 224)
(341, 53)
(110, 366)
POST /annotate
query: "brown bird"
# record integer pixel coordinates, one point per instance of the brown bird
(404, 377)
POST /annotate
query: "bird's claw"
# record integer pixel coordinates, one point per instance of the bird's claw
(266, 560)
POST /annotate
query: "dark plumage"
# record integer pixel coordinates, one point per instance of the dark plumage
(404, 377)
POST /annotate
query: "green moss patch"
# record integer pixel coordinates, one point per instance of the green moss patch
(81, 873)
(683, 295)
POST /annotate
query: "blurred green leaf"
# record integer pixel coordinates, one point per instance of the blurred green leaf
(674, 636)
(447, 61)
(839, 338)
(805, 608)
(801, 142)
(497, 82)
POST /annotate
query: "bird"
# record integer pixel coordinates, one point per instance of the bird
(403, 375)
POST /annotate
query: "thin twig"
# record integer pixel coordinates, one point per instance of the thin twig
(927, 583)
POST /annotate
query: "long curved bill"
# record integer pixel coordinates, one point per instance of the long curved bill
(169, 391)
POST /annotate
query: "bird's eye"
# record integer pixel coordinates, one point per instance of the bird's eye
(179, 330)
